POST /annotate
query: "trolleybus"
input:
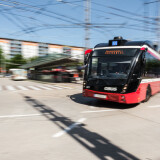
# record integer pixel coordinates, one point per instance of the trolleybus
(122, 71)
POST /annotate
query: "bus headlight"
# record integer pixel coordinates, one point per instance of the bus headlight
(124, 88)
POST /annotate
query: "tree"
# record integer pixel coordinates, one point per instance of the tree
(31, 59)
(16, 61)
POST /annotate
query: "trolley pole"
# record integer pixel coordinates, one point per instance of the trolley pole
(87, 24)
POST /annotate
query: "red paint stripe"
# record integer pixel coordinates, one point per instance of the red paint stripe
(153, 54)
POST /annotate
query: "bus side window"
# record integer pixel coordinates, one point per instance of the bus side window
(151, 67)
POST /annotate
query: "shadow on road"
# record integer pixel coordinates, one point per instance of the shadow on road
(78, 98)
(94, 142)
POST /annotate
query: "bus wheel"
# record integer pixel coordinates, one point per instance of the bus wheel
(148, 93)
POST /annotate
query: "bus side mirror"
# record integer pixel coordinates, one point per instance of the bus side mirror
(144, 55)
(144, 61)
(86, 55)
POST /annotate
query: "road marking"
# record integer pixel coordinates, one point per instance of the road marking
(44, 87)
(11, 88)
(108, 158)
(34, 88)
(156, 106)
(54, 87)
(0, 88)
(64, 87)
(22, 88)
(66, 130)
(92, 107)
(107, 110)
(26, 115)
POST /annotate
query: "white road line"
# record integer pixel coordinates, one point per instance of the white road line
(92, 107)
(22, 88)
(15, 116)
(44, 87)
(107, 110)
(11, 88)
(64, 87)
(34, 88)
(156, 106)
(0, 88)
(54, 87)
(66, 130)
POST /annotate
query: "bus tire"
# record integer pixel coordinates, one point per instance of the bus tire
(148, 94)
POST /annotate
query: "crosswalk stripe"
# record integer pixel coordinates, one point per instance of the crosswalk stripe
(37, 87)
(11, 88)
(53, 87)
(43, 87)
(64, 87)
(34, 88)
(22, 88)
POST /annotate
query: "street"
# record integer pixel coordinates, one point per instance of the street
(44, 121)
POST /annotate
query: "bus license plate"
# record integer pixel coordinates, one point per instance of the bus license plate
(100, 96)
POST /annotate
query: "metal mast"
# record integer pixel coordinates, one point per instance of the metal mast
(87, 23)
(158, 24)
(146, 8)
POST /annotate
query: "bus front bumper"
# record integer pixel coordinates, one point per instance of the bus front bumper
(128, 98)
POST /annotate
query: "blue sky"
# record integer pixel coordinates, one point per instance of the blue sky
(62, 21)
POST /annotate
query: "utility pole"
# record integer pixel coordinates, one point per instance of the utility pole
(146, 8)
(4, 66)
(157, 19)
(87, 23)
(1, 64)
(158, 24)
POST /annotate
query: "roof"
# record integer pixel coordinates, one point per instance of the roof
(49, 60)
(129, 43)
(41, 42)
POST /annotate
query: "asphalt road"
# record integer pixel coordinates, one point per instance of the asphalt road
(55, 122)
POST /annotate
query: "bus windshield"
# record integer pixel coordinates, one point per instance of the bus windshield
(108, 66)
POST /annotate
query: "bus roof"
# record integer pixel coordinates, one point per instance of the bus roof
(124, 42)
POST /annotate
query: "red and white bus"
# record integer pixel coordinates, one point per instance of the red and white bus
(122, 71)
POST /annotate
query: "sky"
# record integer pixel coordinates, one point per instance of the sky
(63, 21)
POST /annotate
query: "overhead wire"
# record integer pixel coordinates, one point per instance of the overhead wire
(69, 20)
(61, 15)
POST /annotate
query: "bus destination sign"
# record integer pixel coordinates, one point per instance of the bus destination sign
(114, 52)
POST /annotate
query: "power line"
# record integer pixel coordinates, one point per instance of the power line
(73, 22)
(69, 21)
(124, 11)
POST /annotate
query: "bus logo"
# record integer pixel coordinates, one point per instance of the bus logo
(110, 88)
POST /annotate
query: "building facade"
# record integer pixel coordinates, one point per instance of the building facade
(29, 49)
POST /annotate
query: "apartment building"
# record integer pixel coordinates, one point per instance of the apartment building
(30, 49)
